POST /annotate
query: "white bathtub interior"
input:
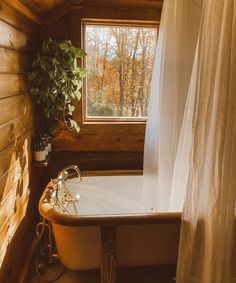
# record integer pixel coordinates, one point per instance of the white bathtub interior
(108, 195)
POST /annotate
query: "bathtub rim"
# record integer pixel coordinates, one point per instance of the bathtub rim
(48, 212)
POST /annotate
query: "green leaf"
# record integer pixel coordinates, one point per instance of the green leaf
(79, 53)
(71, 109)
(64, 45)
(83, 72)
(77, 94)
(75, 126)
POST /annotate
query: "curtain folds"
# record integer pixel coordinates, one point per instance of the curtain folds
(207, 236)
(190, 147)
(175, 51)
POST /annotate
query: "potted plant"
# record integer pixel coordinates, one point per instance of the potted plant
(55, 82)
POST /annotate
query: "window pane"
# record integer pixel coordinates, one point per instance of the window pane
(119, 62)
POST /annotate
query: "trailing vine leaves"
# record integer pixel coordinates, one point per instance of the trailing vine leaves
(56, 80)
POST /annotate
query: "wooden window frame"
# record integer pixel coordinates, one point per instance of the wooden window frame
(117, 23)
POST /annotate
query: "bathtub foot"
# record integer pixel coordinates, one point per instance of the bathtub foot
(108, 260)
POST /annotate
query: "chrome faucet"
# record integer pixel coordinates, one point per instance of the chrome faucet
(62, 193)
(64, 174)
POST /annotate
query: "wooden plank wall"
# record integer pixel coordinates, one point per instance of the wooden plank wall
(98, 137)
(16, 45)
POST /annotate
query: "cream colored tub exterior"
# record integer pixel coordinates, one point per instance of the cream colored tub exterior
(79, 248)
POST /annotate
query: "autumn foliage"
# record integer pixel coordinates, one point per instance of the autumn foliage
(119, 62)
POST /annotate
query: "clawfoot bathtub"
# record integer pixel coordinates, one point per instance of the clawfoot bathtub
(111, 226)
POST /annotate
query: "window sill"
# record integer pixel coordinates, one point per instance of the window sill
(114, 122)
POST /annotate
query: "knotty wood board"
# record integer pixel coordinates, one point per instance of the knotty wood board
(12, 177)
(102, 138)
(15, 128)
(12, 38)
(10, 227)
(10, 203)
(20, 149)
(13, 107)
(13, 62)
(12, 84)
(120, 13)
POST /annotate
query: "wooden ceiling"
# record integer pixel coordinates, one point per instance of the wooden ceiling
(40, 7)
(45, 12)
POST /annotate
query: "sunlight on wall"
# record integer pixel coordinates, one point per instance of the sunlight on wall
(15, 195)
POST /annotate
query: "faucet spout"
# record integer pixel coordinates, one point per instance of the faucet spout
(67, 173)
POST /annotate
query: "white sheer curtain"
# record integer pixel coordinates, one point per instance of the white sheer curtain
(195, 158)
(207, 248)
(172, 72)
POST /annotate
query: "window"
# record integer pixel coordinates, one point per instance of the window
(119, 62)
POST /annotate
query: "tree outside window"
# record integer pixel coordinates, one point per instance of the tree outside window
(119, 62)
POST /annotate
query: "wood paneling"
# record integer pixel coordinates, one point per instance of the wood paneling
(17, 34)
(12, 38)
(17, 154)
(12, 177)
(46, 12)
(42, 6)
(14, 163)
(13, 107)
(102, 138)
(13, 130)
(20, 7)
(13, 62)
(16, 238)
(16, 151)
(12, 84)
(147, 4)
(152, 4)
(59, 31)
(106, 9)
(15, 19)
(12, 199)
(120, 13)
(56, 14)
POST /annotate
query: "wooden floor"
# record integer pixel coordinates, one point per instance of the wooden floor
(163, 274)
